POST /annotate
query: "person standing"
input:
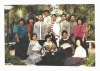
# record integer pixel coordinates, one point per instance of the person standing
(40, 29)
(64, 25)
(80, 30)
(55, 28)
(29, 27)
(21, 39)
(73, 23)
(47, 18)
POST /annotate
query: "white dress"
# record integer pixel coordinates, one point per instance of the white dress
(80, 52)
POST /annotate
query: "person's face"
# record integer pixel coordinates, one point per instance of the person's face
(46, 14)
(40, 18)
(21, 23)
(53, 18)
(63, 17)
(65, 35)
(31, 20)
(49, 39)
(79, 22)
(78, 43)
(72, 18)
(34, 37)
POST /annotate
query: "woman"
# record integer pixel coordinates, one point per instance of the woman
(77, 58)
(66, 45)
(80, 31)
(29, 27)
(21, 39)
(49, 52)
(34, 50)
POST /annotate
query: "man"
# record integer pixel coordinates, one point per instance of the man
(64, 25)
(40, 29)
(72, 24)
(55, 28)
(47, 18)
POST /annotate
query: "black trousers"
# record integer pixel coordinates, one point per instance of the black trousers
(21, 48)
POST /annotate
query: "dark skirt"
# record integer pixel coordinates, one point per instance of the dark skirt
(21, 48)
(73, 61)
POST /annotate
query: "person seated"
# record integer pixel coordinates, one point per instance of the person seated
(48, 46)
(66, 45)
(34, 50)
(77, 58)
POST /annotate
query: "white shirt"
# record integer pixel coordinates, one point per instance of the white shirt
(40, 30)
(80, 52)
(47, 20)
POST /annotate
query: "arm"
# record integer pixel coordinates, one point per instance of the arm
(17, 39)
(28, 28)
(29, 36)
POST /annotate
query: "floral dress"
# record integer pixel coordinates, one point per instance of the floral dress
(34, 56)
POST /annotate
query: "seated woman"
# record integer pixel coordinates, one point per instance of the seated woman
(77, 58)
(66, 45)
(48, 52)
(34, 50)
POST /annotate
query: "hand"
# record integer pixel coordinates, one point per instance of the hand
(82, 39)
(52, 50)
(56, 38)
(36, 50)
(18, 40)
(29, 39)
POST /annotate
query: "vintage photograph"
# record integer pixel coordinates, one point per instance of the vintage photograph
(50, 35)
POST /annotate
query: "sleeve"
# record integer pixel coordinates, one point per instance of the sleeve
(15, 29)
(68, 29)
(28, 28)
(34, 30)
(29, 49)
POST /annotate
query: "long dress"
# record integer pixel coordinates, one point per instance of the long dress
(34, 56)
(67, 45)
(47, 57)
(21, 47)
(77, 58)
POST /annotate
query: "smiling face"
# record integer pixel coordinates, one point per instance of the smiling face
(34, 37)
(65, 35)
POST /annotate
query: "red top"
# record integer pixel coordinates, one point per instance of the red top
(29, 28)
(80, 30)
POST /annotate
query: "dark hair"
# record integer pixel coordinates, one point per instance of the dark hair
(29, 19)
(22, 19)
(46, 11)
(47, 36)
(64, 31)
(40, 15)
(80, 19)
(64, 15)
(72, 15)
(54, 15)
(33, 35)
(78, 38)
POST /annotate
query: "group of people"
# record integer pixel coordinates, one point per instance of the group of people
(51, 42)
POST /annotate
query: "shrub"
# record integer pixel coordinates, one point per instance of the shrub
(89, 61)
(12, 59)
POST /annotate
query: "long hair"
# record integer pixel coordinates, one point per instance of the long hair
(29, 19)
